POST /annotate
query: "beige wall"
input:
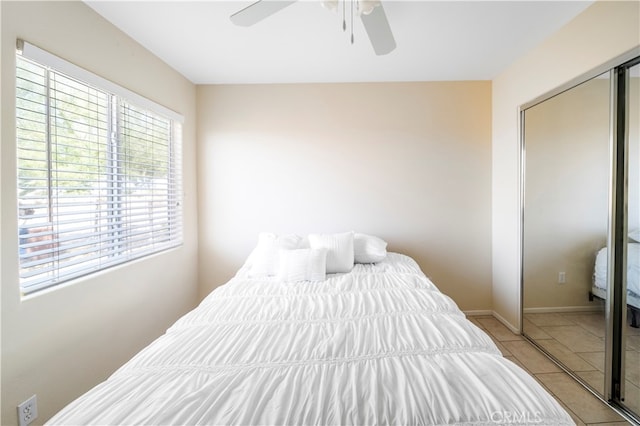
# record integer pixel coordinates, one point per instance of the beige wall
(59, 343)
(602, 32)
(409, 162)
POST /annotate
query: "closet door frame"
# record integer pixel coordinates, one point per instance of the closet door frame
(616, 306)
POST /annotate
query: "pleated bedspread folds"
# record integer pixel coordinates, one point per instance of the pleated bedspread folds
(378, 345)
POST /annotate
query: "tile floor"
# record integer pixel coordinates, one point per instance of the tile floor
(581, 404)
(577, 340)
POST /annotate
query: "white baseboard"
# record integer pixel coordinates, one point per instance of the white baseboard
(491, 313)
(546, 310)
(478, 313)
(563, 309)
(506, 323)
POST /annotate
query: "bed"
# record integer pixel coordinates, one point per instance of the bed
(379, 344)
(599, 286)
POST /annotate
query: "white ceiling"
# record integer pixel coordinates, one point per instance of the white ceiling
(436, 40)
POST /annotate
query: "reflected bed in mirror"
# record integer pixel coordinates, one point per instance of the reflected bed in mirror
(599, 288)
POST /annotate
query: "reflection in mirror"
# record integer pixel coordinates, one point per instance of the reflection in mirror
(566, 210)
(631, 334)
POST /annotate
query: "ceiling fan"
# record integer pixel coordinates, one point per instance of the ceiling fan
(371, 13)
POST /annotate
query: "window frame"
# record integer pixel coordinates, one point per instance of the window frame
(123, 105)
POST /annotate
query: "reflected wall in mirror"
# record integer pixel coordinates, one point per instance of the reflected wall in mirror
(565, 225)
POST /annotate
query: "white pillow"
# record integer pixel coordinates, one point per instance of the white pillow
(339, 250)
(634, 236)
(265, 257)
(369, 249)
(303, 265)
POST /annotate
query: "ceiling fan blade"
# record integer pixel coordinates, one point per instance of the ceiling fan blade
(257, 11)
(379, 31)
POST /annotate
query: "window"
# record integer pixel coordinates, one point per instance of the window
(99, 178)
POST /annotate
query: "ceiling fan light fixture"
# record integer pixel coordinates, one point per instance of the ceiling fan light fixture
(371, 12)
(362, 7)
(331, 5)
(365, 7)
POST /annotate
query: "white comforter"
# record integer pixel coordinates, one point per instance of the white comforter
(379, 345)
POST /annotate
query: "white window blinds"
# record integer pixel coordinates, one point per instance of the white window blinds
(99, 178)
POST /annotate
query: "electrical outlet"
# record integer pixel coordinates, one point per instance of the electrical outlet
(28, 411)
(562, 277)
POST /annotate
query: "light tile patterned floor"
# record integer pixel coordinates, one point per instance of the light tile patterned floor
(577, 339)
(581, 404)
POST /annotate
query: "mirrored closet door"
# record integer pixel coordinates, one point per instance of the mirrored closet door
(628, 377)
(566, 217)
(581, 231)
